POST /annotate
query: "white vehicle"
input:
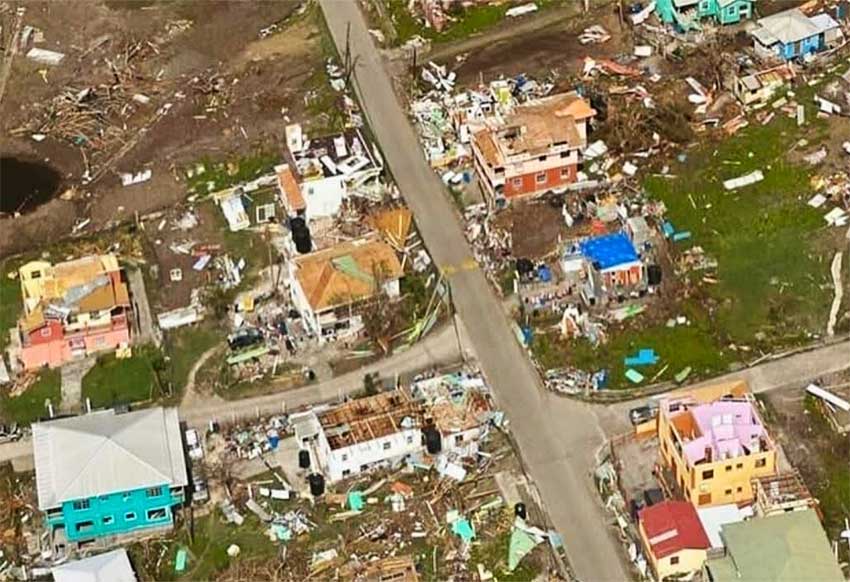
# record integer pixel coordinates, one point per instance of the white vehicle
(193, 441)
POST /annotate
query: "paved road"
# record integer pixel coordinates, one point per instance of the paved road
(791, 372)
(440, 348)
(558, 449)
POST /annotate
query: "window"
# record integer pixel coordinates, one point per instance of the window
(346, 472)
(108, 520)
(125, 496)
(157, 514)
(153, 492)
(45, 332)
(542, 158)
(130, 516)
(739, 489)
(708, 474)
(728, 492)
(410, 439)
(387, 445)
(458, 439)
(739, 466)
(82, 504)
(674, 560)
(566, 172)
(540, 178)
(728, 468)
(344, 457)
(761, 463)
(85, 526)
(517, 182)
(265, 212)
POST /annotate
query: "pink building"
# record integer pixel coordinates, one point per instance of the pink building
(71, 310)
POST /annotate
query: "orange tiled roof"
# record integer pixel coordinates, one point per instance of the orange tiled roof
(289, 189)
(346, 272)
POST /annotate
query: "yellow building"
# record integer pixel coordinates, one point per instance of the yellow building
(673, 538)
(713, 443)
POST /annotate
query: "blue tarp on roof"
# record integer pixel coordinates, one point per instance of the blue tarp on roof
(609, 250)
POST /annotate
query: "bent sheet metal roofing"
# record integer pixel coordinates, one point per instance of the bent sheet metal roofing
(103, 452)
(609, 251)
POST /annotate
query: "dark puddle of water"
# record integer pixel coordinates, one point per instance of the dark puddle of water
(26, 184)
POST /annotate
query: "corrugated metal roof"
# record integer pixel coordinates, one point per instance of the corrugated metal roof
(112, 566)
(102, 452)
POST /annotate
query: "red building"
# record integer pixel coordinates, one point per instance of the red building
(534, 149)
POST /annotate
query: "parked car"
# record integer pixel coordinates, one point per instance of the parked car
(200, 493)
(245, 337)
(193, 442)
(642, 414)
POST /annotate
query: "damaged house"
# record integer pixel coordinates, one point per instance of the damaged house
(71, 310)
(791, 34)
(687, 14)
(757, 88)
(608, 268)
(536, 148)
(326, 285)
(326, 170)
(437, 418)
(714, 444)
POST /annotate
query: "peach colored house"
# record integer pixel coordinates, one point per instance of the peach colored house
(72, 309)
(534, 149)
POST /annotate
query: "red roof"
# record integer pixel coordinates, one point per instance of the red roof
(672, 526)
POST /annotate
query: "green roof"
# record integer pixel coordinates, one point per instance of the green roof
(787, 547)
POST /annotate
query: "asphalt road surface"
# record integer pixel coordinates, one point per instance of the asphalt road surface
(558, 449)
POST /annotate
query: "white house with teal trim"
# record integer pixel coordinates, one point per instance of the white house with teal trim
(103, 476)
(687, 14)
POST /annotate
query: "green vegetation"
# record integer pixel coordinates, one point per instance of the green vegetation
(832, 488)
(467, 21)
(10, 304)
(184, 347)
(324, 105)
(493, 553)
(30, 406)
(122, 380)
(218, 175)
(207, 549)
(763, 236)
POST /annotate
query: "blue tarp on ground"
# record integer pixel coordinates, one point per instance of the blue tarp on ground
(609, 250)
(356, 501)
(645, 357)
(463, 529)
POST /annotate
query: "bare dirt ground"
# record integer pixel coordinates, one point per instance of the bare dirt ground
(554, 48)
(262, 86)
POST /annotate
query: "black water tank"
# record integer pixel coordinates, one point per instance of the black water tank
(520, 511)
(301, 235)
(304, 459)
(317, 484)
(433, 440)
(653, 274)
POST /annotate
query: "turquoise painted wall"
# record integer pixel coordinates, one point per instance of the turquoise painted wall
(116, 513)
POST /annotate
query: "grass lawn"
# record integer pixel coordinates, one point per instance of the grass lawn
(10, 303)
(121, 381)
(763, 236)
(468, 21)
(208, 549)
(184, 347)
(220, 174)
(29, 406)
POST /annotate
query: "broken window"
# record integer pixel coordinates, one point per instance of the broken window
(157, 514)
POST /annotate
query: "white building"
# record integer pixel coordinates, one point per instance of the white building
(329, 168)
(326, 285)
(381, 430)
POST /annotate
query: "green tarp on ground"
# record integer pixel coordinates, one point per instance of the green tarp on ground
(180, 560)
(356, 501)
(521, 544)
